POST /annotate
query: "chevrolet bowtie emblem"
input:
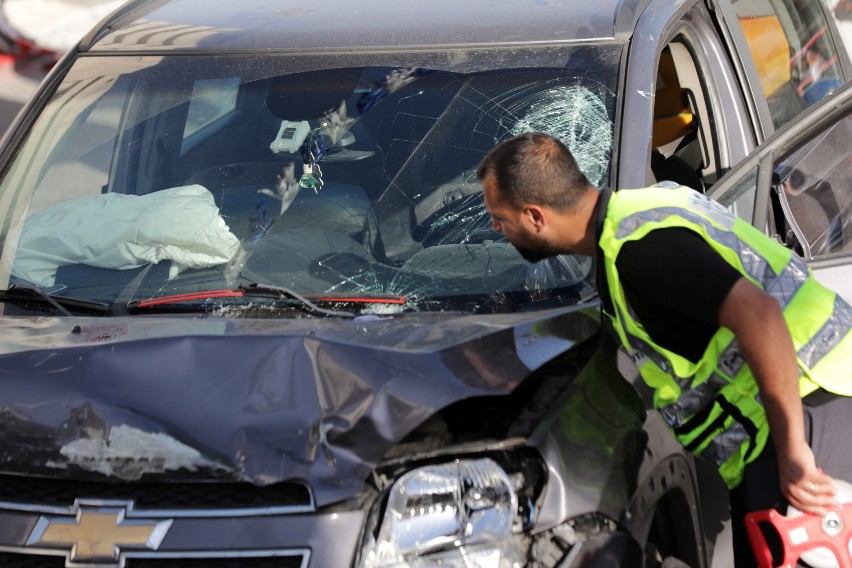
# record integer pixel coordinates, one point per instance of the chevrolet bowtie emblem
(97, 534)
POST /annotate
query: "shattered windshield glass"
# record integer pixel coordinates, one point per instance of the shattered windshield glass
(154, 181)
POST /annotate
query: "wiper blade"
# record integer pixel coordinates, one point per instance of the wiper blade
(184, 298)
(306, 301)
(63, 304)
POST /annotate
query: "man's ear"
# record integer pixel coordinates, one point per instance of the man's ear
(536, 216)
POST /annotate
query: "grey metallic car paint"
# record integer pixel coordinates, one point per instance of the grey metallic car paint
(314, 400)
(196, 25)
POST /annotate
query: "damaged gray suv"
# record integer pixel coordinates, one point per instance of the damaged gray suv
(254, 312)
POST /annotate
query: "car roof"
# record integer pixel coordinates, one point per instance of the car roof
(252, 25)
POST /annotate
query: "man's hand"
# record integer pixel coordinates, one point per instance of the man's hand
(759, 327)
(805, 486)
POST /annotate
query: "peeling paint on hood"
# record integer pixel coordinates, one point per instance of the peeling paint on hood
(128, 453)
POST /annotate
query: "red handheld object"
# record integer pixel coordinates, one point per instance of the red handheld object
(801, 534)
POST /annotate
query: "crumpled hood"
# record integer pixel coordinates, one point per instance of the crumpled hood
(260, 401)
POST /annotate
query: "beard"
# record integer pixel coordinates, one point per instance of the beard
(534, 248)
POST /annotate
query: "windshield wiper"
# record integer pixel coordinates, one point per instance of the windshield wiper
(265, 291)
(63, 304)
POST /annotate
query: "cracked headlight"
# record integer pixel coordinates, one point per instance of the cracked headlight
(455, 514)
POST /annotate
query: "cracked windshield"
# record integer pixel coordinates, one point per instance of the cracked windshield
(242, 185)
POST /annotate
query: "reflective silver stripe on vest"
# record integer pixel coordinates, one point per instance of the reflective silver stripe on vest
(753, 263)
(784, 286)
(829, 335)
(692, 400)
(724, 444)
(731, 360)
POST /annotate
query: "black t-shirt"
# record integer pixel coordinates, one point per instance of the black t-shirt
(675, 282)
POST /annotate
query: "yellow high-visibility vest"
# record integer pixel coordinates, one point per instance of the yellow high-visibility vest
(712, 405)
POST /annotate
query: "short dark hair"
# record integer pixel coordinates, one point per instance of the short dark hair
(535, 168)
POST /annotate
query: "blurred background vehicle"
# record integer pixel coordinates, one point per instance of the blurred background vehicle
(55, 25)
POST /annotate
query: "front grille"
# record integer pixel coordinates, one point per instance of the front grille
(156, 496)
(8, 560)
(269, 562)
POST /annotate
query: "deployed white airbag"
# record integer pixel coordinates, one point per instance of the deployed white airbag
(180, 224)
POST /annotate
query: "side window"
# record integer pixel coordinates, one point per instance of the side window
(690, 108)
(740, 199)
(793, 50)
(684, 149)
(211, 100)
(83, 151)
(812, 185)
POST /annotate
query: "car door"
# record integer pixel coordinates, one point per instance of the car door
(797, 187)
(707, 80)
(682, 96)
(789, 55)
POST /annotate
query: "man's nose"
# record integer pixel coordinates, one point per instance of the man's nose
(496, 225)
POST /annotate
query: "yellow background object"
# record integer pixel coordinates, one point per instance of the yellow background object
(769, 49)
(672, 118)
